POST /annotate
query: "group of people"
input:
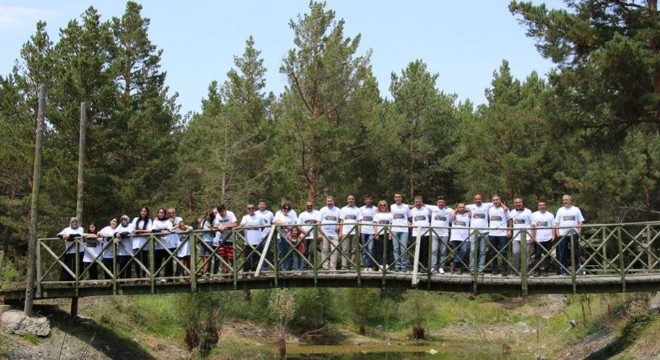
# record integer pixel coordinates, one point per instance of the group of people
(385, 233)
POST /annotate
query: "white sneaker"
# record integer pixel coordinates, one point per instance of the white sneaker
(441, 271)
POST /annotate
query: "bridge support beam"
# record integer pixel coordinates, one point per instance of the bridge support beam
(74, 307)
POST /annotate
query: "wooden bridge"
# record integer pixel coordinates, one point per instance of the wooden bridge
(612, 258)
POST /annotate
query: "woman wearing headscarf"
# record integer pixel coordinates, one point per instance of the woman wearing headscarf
(71, 235)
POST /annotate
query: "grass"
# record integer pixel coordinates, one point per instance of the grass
(31, 338)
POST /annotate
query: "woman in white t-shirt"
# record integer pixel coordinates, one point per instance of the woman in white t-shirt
(162, 227)
(71, 236)
(383, 233)
(142, 225)
(107, 235)
(92, 251)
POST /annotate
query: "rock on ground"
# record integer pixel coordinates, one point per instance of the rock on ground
(15, 322)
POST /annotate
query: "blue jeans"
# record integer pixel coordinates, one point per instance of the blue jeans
(367, 243)
(564, 251)
(283, 248)
(400, 243)
(439, 242)
(499, 245)
(462, 251)
(478, 239)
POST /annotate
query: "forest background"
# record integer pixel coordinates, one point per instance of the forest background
(590, 129)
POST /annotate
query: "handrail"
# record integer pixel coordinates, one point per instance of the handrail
(623, 250)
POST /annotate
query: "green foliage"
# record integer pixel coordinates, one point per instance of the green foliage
(31, 338)
(315, 309)
(361, 304)
(9, 274)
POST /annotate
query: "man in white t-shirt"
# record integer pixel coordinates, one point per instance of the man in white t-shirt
(268, 217)
(285, 218)
(521, 221)
(440, 222)
(543, 232)
(330, 219)
(460, 232)
(224, 223)
(366, 221)
(568, 225)
(252, 226)
(498, 221)
(400, 223)
(421, 220)
(350, 234)
(306, 220)
(479, 228)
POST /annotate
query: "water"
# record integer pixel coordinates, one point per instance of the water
(437, 351)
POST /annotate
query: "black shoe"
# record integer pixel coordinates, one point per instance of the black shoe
(505, 274)
(495, 273)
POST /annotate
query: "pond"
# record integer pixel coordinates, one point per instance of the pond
(440, 351)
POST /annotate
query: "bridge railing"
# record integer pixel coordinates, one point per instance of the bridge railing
(600, 250)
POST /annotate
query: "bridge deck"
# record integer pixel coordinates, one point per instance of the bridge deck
(486, 283)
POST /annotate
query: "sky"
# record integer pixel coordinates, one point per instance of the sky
(463, 42)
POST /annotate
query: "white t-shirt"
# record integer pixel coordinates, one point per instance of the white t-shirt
(330, 216)
(268, 216)
(544, 223)
(568, 218)
(498, 220)
(94, 247)
(400, 215)
(521, 219)
(460, 228)
(440, 220)
(226, 220)
(306, 219)
(69, 244)
(184, 241)
(252, 228)
(479, 219)
(421, 218)
(140, 240)
(107, 233)
(350, 215)
(164, 226)
(382, 220)
(125, 234)
(366, 219)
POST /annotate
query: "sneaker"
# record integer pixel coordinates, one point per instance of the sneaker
(441, 271)
(505, 274)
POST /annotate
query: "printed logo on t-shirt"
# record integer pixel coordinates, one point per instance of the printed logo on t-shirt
(495, 218)
(568, 217)
(542, 223)
(310, 221)
(518, 221)
(479, 216)
(383, 222)
(330, 218)
(440, 218)
(367, 218)
(420, 218)
(399, 216)
(350, 217)
(459, 223)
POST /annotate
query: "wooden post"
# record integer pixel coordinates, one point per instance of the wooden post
(81, 161)
(79, 196)
(34, 207)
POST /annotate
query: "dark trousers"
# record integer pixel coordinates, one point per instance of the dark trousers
(93, 270)
(161, 256)
(542, 249)
(70, 262)
(124, 266)
(379, 246)
(252, 255)
(424, 251)
(564, 249)
(498, 243)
